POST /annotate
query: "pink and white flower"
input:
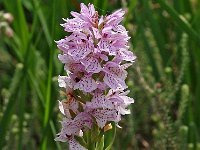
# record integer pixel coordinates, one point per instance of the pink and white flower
(95, 58)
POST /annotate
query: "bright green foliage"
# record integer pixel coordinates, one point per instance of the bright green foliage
(165, 80)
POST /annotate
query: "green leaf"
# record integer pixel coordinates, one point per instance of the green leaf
(100, 144)
(81, 141)
(110, 137)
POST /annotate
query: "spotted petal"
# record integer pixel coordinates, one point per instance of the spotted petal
(61, 137)
(65, 81)
(91, 64)
(73, 126)
(74, 25)
(62, 45)
(86, 84)
(64, 58)
(120, 102)
(74, 67)
(116, 70)
(115, 18)
(105, 115)
(114, 83)
(74, 145)
(106, 46)
(80, 51)
(99, 101)
(66, 106)
(127, 55)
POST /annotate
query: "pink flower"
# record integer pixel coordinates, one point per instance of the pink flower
(73, 144)
(86, 84)
(70, 105)
(120, 101)
(102, 116)
(91, 64)
(71, 127)
(95, 57)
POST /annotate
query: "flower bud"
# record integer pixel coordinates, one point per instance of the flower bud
(8, 17)
(9, 32)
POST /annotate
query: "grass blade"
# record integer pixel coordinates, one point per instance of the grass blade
(182, 23)
(12, 101)
(22, 99)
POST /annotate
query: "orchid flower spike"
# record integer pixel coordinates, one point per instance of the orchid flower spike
(95, 57)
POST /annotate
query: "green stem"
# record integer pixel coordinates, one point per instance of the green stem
(91, 143)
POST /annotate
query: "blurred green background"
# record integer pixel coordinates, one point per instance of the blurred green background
(164, 81)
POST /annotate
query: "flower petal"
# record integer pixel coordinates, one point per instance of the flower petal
(65, 81)
(81, 51)
(91, 64)
(86, 84)
(127, 55)
(104, 115)
(99, 101)
(61, 137)
(66, 106)
(74, 145)
(113, 82)
(116, 70)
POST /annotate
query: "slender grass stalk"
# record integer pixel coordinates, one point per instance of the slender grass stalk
(15, 82)
(131, 8)
(182, 23)
(48, 108)
(40, 14)
(157, 33)
(147, 48)
(22, 98)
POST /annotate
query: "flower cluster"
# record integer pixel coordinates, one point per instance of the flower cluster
(95, 56)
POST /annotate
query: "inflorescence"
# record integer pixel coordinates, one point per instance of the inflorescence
(95, 56)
